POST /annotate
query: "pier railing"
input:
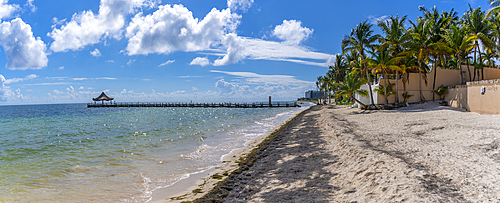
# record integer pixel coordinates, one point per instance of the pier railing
(205, 105)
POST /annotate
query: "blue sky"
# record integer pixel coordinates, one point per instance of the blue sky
(150, 50)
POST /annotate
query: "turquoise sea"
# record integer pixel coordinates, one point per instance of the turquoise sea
(71, 153)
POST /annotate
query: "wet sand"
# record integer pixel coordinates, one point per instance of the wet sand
(421, 153)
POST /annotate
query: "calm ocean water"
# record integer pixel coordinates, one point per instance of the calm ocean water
(70, 153)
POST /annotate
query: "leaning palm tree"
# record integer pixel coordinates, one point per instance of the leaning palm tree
(481, 30)
(351, 86)
(360, 40)
(395, 37)
(459, 42)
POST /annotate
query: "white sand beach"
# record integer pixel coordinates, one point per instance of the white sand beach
(421, 153)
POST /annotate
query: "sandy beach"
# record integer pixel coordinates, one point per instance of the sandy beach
(421, 153)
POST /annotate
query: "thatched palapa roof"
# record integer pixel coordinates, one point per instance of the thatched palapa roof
(103, 97)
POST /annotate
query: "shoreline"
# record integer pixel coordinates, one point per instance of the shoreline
(204, 181)
(421, 153)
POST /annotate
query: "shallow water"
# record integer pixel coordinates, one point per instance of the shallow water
(70, 153)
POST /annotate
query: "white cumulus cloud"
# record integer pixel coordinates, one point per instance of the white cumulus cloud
(96, 53)
(228, 88)
(200, 61)
(6, 10)
(6, 93)
(239, 4)
(235, 50)
(173, 28)
(87, 28)
(292, 32)
(22, 49)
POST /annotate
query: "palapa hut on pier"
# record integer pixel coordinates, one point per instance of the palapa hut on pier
(103, 97)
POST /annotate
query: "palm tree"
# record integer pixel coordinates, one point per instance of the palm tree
(382, 61)
(459, 42)
(489, 58)
(321, 84)
(436, 24)
(395, 37)
(406, 65)
(360, 40)
(496, 7)
(421, 46)
(350, 87)
(481, 30)
(338, 71)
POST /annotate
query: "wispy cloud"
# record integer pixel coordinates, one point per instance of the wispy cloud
(374, 20)
(166, 63)
(254, 78)
(190, 76)
(48, 83)
(14, 80)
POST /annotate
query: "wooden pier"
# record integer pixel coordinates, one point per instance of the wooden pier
(204, 105)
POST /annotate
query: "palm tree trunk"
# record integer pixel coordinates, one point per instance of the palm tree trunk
(434, 79)
(422, 99)
(404, 91)
(468, 70)
(386, 102)
(462, 76)
(475, 62)
(481, 64)
(396, 99)
(360, 103)
(368, 80)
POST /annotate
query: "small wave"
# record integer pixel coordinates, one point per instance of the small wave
(199, 152)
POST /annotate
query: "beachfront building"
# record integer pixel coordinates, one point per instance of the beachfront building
(475, 96)
(311, 94)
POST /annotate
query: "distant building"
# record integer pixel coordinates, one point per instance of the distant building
(311, 94)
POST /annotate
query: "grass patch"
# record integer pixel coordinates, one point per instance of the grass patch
(197, 190)
(216, 176)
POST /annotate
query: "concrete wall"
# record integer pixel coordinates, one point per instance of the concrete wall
(487, 103)
(444, 76)
(457, 97)
(367, 100)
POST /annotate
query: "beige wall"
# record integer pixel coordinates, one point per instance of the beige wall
(444, 76)
(487, 103)
(457, 97)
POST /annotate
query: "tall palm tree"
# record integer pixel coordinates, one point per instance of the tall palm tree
(395, 37)
(351, 86)
(460, 43)
(338, 71)
(383, 61)
(437, 23)
(421, 47)
(481, 30)
(321, 85)
(360, 40)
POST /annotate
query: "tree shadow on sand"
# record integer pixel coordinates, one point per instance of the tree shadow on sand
(442, 187)
(300, 177)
